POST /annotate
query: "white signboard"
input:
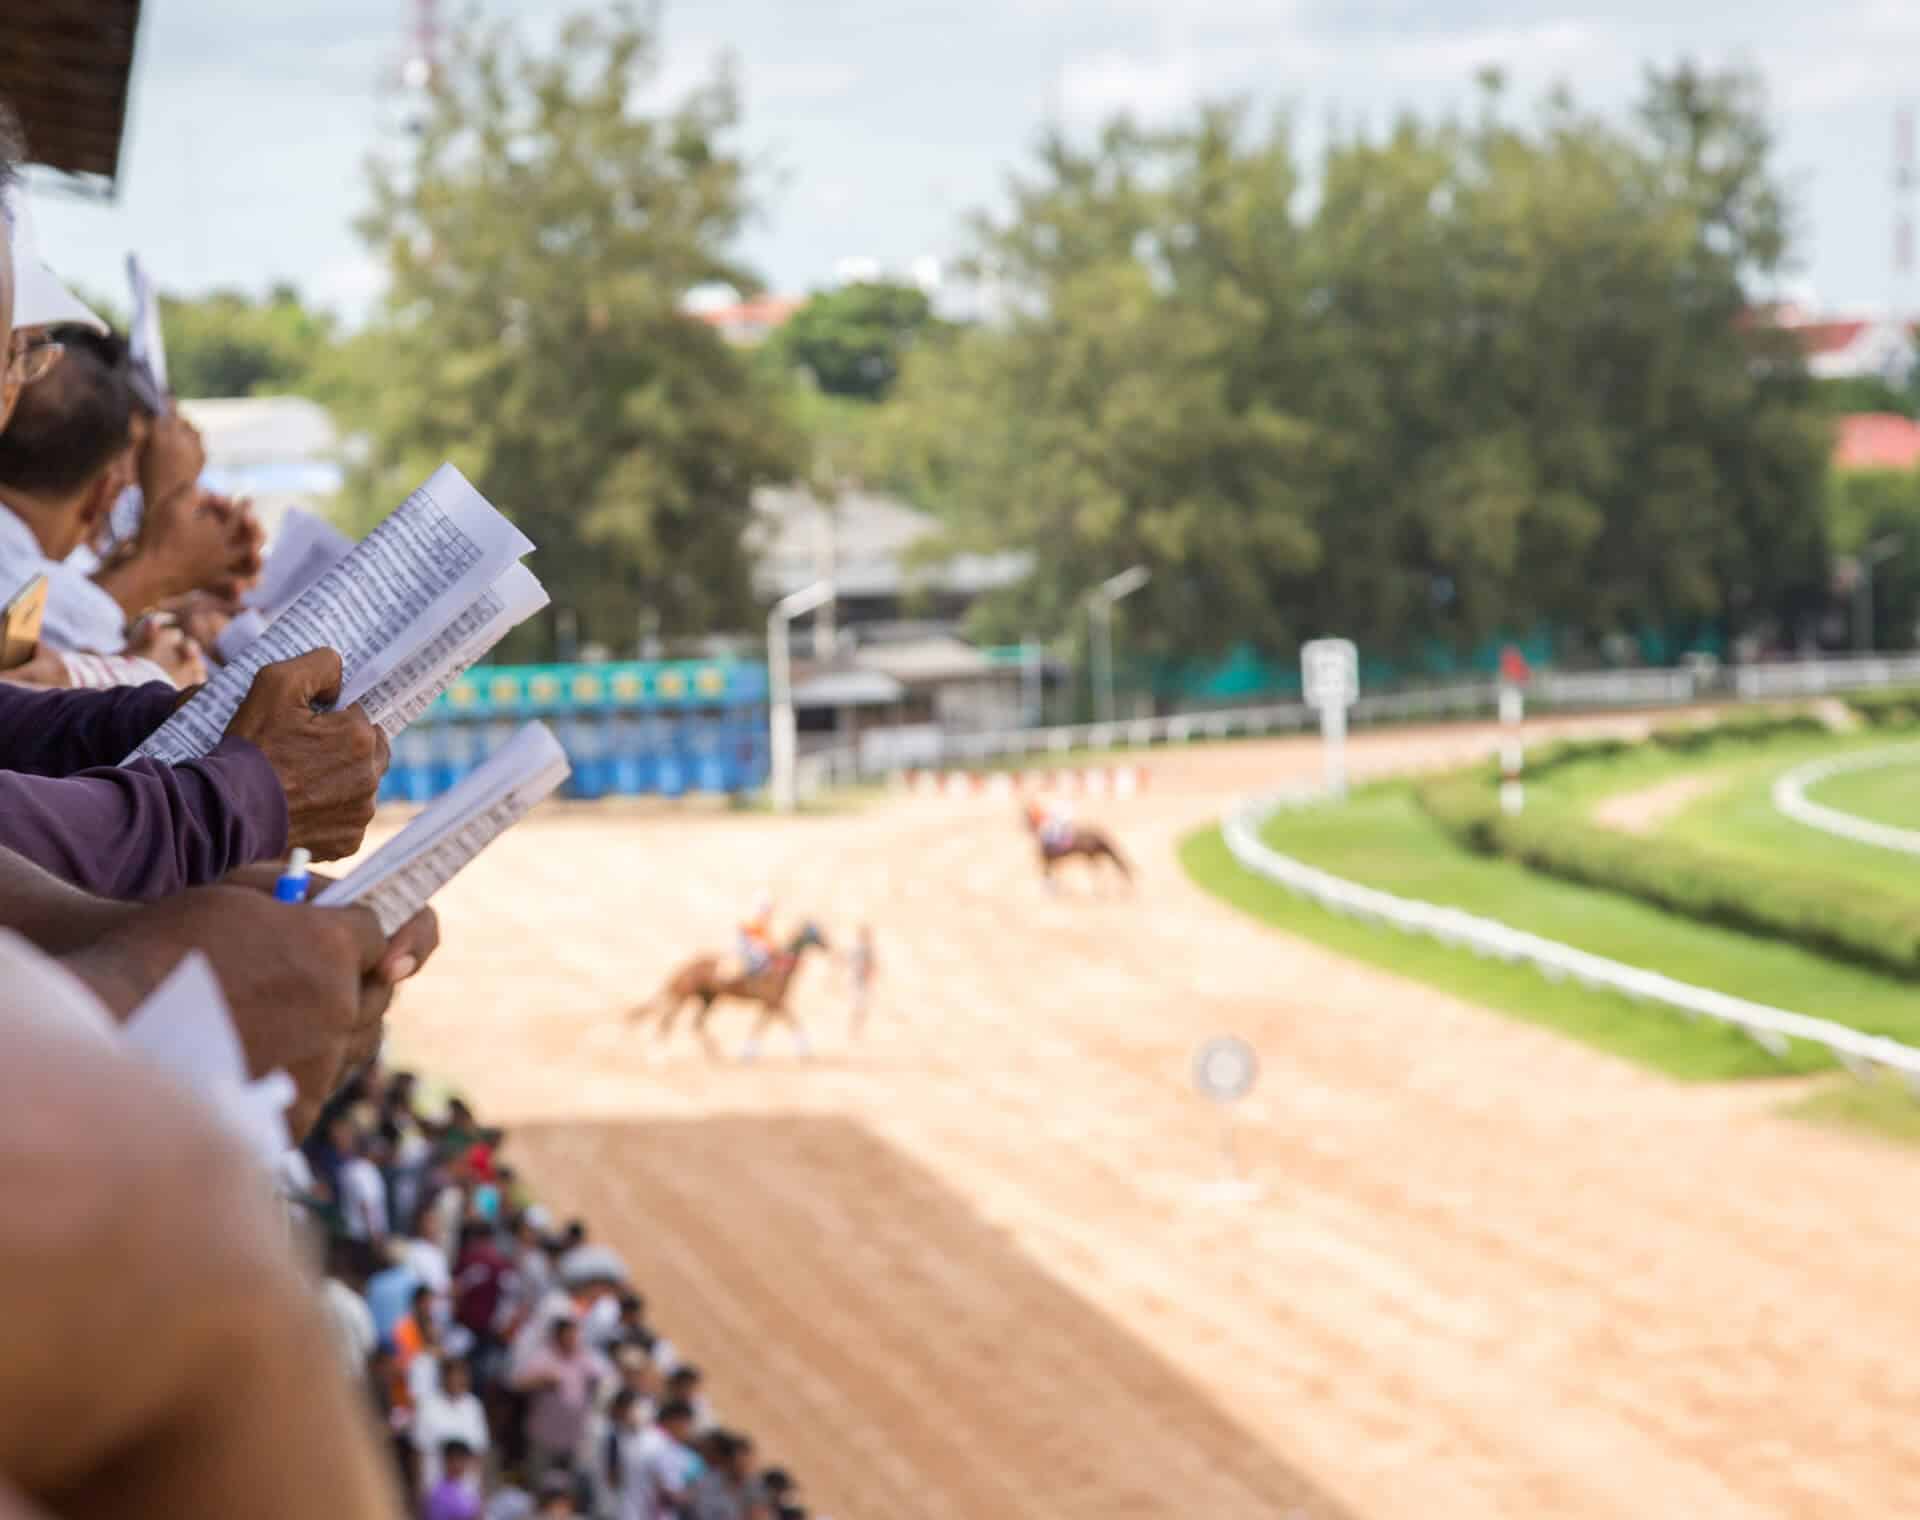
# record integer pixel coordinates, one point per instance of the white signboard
(1330, 672)
(1330, 680)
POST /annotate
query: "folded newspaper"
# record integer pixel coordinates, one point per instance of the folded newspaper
(186, 1029)
(398, 878)
(409, 608)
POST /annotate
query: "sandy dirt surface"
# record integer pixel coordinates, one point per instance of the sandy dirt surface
(1645, 810)
(973, 1265)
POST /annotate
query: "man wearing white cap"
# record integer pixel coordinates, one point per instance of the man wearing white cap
(39, 299)
(68, 456)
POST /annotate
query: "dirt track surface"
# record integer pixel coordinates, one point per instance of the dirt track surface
(971, 1266)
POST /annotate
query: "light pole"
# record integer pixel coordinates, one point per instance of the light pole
(1876, 553)
(1100, 609)
(780, 687)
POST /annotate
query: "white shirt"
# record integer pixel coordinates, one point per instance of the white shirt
(429, 1264)
(352, 1324)
(653, 1466)
(80, 615)
(510, 1504)
(363, 1205)
(437, 1420)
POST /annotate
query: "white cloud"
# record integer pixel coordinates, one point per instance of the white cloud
(1098, 85)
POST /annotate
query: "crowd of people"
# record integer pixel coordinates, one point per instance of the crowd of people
(168, 1349)
(512, 1359)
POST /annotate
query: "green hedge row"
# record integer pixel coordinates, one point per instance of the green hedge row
(1822, 912)
(1759, 727)
(1895, 708)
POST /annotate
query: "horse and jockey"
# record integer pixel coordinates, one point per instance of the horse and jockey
(1059, 837)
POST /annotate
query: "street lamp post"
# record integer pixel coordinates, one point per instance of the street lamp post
(782, 737)
(1876, 553)
(1100, 609)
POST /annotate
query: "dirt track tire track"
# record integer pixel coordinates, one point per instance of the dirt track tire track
(1494, 1274)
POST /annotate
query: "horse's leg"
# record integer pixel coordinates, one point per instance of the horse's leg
(700, 1016)
(750, 1051)
(801, 1047)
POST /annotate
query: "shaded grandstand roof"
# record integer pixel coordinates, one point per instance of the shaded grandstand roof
(865, 542)
(65, 66)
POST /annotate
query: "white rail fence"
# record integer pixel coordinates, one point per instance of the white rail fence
(1676, 687)
(1772, 1028)
(1790, 797)
(1814, 678)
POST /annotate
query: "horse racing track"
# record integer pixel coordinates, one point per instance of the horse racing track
(972, 1265)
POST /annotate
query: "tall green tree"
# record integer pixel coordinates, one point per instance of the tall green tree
(850, 342)
(1490, 374)
(538, 236)
(231, 344)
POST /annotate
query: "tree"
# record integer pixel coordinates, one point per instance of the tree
(538, 238)
(851, 341)
(1493, 375)
(230, 344)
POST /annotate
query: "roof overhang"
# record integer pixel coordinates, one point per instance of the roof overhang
(66, 66)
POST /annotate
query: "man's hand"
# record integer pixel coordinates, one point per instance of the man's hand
(303, 982)
(411, 947)
(161, 640)
(329, 763)
(202, 615)
(196, 541)
(243, 537)
(46, 668)
(171, 459)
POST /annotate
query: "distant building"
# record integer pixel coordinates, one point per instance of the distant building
(1876, 441)
(750, 322)
(1849, 348)
(282, 451)
(886, 666)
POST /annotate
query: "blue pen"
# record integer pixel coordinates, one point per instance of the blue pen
(292, 885)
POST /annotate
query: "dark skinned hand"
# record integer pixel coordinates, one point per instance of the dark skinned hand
(329, 763)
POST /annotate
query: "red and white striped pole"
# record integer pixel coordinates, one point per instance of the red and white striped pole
(1513, 713)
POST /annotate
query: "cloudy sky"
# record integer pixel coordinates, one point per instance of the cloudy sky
(878, 123)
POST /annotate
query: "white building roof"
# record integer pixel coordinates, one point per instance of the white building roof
(864, 543)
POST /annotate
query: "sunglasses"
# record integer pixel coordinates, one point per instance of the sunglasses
(30, 358)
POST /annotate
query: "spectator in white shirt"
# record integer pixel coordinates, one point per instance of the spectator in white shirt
(449, 1412)
(657, 1466)
(347, 1311)
(363, 1192)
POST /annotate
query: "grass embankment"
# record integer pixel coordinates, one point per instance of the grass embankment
(1800, 898)
(1885, 794)
(1382, 838)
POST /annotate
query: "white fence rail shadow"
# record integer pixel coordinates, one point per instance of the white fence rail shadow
(1772, 1028)
(1790, 797)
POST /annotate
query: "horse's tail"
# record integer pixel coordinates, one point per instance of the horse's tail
(1112, 852)
(673, 991)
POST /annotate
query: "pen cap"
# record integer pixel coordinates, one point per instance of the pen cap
(292, 885)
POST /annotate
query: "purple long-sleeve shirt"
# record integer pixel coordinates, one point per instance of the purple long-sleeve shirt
(135, 831)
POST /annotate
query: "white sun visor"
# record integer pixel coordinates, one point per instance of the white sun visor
(39, 299)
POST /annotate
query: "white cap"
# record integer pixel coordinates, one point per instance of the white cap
(39, 299)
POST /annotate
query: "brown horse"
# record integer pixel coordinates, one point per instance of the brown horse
(705, 980)
(1087, 842)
